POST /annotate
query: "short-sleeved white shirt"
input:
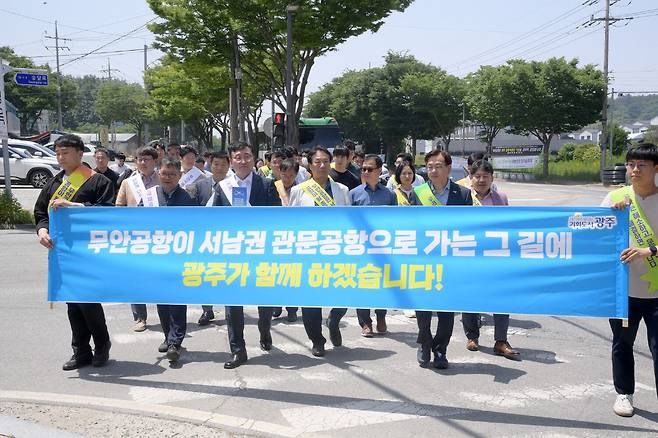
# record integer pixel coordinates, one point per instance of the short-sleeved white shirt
(638, 288)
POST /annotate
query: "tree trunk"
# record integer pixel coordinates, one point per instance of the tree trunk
(545, 152)
(23, 126)
(413, 147)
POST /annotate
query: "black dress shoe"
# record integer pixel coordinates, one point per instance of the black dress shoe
(101, 355)
(77, 362)
(292, 317)
(334, 335)
(440, 361)
(277, 312)
(317, 350)
(266, 344)
(423, 357)
(162, 348)
(238, 359)
(206, 317)
(173, 353)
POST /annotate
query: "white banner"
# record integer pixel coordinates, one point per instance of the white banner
(515, 162)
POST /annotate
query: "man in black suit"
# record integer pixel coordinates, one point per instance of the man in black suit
(439, 190)
(245, 187)
(202, 191)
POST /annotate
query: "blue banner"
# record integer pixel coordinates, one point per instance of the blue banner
(524, 260)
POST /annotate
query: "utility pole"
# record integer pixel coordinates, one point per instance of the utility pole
(109, 70)
(607, 20)
(238, 89)
(612, 129)
(604, 111)
(59, 81)
(463, 129)
(291, 124)
(113, 126)
(145, 125)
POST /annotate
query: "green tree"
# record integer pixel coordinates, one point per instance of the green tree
(84, 110)
(552, 97)
(371, 106)
(207, 29)
(194, 92)
(620, 140)
(433, 101)
(488, 100)
(30, 102)
(119, 101)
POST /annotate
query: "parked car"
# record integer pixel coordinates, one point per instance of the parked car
(26, 168)
(35, 149)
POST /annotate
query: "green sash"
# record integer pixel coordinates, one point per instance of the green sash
(476, 201)
(319, 195)
(425, 195)
(70, 186)
(642, 235)
(401, 197)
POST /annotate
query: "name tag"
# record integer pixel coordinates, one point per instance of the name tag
(239, 197)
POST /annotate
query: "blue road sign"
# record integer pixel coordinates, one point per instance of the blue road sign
(31, 79)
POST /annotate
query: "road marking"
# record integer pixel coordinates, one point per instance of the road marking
(156, 410)
(148, 336)
(360, 413)
(530, 396)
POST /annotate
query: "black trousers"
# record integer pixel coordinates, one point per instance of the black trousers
(235, 326)
(87, 321)
(471, 323)
(623, 338)
(312, 317)
(439, 342)
(363, 315)
(139, 311)
(173, 319)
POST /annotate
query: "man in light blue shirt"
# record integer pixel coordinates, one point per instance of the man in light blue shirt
(372, 192)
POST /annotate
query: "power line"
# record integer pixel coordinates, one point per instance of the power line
(106, 52)
(523, 36)
(111, 42)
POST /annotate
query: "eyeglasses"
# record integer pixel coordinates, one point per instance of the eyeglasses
(365, 169)
(144, 159)
(168, 175)
(638, 166)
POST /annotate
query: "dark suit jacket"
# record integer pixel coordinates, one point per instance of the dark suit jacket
(458, 195)
(263, 193)
(201, 190)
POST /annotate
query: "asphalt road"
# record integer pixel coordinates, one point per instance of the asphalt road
(561, 387)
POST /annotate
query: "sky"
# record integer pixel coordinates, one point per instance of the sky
(457, 36)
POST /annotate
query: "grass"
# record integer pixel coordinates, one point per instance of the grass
(574, 170)
(11, 212)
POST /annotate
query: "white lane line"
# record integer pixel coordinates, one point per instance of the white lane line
(155, 410)
(360, 413)
(532, 396)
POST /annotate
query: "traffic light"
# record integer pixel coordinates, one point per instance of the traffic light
(279, 130)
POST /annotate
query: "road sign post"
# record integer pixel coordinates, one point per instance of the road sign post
(25, 76)
(40, 80)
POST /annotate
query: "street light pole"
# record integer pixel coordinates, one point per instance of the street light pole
(290, 118)
(463, 129)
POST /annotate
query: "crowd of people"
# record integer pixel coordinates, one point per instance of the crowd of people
(179, 176)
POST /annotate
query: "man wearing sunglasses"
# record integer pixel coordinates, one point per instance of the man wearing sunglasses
(372, 192)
